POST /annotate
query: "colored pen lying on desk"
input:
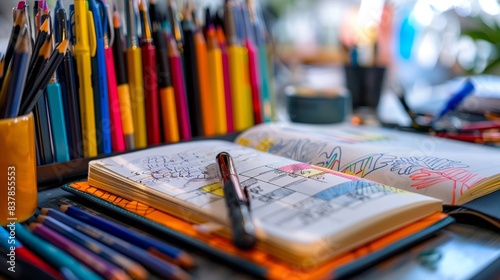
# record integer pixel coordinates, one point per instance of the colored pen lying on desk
(167, 95)
(156, 247)
(131, 267)
(154, 264)
(122, 84)
(149, 71)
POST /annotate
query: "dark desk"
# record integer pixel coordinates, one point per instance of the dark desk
(458, 252)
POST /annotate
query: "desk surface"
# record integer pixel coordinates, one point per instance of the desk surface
(458, 252)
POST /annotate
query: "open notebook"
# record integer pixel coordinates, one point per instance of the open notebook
(304, 214)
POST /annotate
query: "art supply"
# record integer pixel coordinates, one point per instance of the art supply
(84, 73)
(122, 85)
(227, 78)
(182, 109)
(189, 59)
(22, 252)
(216, 77)
(149, 71)
(238, 71)
(237, 202)
(53, 255)
(208, 110)
(134, 269)
(17, 77)
(167, 95)
(154, 264)
(96, 263)
(135, 78)
(67, 80)
(155, 246)
(99, 78)
(116, 126)
(455, 100)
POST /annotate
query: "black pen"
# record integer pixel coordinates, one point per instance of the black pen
(238, 203)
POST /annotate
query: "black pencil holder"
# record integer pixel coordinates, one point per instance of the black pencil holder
(364, 84)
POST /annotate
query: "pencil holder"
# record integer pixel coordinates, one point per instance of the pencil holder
(364, 84)
(18, 180)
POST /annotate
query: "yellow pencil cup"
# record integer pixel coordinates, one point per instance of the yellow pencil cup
(18, 181)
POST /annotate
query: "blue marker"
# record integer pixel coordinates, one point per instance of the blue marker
(100, 80)
(456, 99)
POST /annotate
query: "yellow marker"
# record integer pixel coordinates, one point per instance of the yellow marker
(238, 68)
(84, 70)
(135, 79)
(216, 77)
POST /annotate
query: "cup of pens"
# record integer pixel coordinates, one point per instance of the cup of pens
(18, 179)
(365, 86)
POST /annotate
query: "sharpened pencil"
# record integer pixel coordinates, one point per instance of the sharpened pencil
(15, 84)
(171, 253)
(131, 267)
(154, 264)
(94, 262)
(180, 93)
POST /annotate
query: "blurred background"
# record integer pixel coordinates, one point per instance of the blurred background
(422, 43)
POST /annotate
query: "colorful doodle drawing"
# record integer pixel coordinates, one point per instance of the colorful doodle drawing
(304, 150)
(426, 172)
(410, 165)
(367, 164)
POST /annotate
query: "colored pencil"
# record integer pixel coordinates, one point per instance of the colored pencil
(21, 252)
(191, 75)
(66, 73)
(253, 65)
(150, 75)
(135, 78)
(84, 73)
(167, 95)
(53, 255)
(179, 89)
(170, 252)
(216, 76)
(99, 78)
(14, 34)
(206, 96)
(116, 125)
(94, 262)
(221, 38)
(154, 264)
(15, 84)
(131, 267)
(122, 84)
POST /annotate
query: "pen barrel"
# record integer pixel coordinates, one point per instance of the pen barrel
(240, 218)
